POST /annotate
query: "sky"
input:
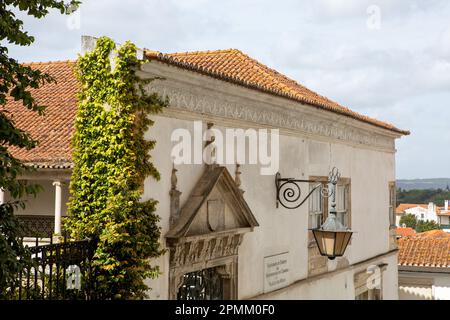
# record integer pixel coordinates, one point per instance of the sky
(388, 59)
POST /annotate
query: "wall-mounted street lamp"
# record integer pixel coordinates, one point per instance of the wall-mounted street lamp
(332, 237)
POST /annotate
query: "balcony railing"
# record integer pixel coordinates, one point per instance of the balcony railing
(37, 225)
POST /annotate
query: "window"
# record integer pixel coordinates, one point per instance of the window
(315, 208)
(392, 204)
(342, 203)
(370, 294)
(363, 296)
(319, 205)
(206, 284)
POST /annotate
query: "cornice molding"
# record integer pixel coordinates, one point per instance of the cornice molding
(193, 100)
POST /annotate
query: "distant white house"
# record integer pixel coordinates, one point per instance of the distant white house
(422, 212)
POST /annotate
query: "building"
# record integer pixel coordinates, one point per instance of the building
(422, 212)
(425, 212)
(424, 266)
(221, 222)
(444, 217)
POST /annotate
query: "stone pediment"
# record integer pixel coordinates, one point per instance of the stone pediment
(215, 207)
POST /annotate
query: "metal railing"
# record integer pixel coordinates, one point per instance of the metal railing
(37, 225)
(58, 271)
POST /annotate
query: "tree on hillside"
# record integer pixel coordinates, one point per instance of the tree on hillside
(16, 80)
(437, 196)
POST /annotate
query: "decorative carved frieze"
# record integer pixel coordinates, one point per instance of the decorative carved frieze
(182, 98)
(204, 249)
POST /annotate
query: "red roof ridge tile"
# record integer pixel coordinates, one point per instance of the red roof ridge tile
(204, 52)
(42, 63)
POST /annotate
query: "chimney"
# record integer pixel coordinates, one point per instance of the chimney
(88, 44)
(446, 205)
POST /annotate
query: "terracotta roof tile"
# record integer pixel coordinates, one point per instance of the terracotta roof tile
(402, 207)
(435, 234)
(405, 232)
(430, 250)
(234, 66)
(54, 130)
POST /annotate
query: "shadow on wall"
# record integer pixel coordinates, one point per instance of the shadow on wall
(415, 293)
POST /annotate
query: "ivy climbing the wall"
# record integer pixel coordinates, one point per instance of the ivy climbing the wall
(112, 159)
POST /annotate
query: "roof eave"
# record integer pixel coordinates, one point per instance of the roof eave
(155, 55)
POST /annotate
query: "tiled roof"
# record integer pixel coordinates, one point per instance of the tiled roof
(54, 130)
(433, 234)
(405, 232)
(234, 66)
(402, 207)
(425, 251)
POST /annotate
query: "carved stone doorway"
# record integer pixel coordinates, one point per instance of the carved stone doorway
(204, 238)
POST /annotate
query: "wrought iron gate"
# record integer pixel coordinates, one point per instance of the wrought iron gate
(206, 284)
(58, 271)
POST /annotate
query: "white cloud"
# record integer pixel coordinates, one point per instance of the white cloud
(399, 73)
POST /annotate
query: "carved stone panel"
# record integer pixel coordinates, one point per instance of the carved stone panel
(208, 232)
(216, 214)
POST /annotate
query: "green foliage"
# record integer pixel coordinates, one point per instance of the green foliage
(16, 80)
(11, 248)
(423, 226)
(112, 160)
(437, 196)
(409, 220)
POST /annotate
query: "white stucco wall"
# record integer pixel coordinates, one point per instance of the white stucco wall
(424, 214)
(312, 141)
(363, 153)
(283, 230)
(44, 203)
(441, 288)
(422, 285)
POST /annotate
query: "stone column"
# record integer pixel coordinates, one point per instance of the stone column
(57, 185)
(2, 196)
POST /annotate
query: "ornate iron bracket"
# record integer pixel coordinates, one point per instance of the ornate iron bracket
(289, 193)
